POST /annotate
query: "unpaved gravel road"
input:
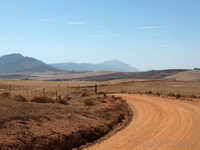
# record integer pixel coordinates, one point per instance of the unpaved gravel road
(158, 124)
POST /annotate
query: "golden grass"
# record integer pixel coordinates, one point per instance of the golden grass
(89, 102)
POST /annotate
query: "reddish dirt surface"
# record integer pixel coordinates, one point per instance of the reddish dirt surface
(158, 123)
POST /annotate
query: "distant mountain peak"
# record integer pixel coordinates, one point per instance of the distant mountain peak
(112, 65)
(120, 65)
(14, 63)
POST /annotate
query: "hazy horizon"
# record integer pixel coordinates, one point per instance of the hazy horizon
(148, 35)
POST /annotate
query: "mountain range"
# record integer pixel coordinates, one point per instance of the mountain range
(113, 65)
(16, 63)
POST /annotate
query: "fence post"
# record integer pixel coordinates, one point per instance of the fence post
(43, 91)
(56, 93)
(10, 90)
(67, 88)
(27, 91)
(95, 88)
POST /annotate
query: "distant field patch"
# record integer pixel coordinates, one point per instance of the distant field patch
(12, 76)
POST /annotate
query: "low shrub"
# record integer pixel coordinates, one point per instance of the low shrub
(42, 99)
(177, 96)
(85, 93)
(62, 101)
(193, 96)
(19, 98)
(157, 93)
(148, 92)
(103, 101)
(89, 102)
(116, 97)
(170, 94)
(102, 93)
(5, 94)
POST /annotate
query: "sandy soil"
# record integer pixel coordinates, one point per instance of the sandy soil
(157, 124)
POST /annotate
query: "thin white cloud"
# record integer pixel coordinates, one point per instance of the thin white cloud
(77, 22)
(169, 45)
(152, 27)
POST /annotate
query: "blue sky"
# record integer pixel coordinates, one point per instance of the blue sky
(147, 34)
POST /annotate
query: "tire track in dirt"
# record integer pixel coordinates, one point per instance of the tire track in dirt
(158, 124)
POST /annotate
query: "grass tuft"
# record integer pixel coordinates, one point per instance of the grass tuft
(157, 93)
(62, 101)
(99, 93)
(177, 96)
(170, 94)
(5, 94)
(89, 102)
(193, 96)
(42, 99)
(85, 93)
(19, 98)
(148, 92)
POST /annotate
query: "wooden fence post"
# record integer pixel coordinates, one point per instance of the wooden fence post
(95, 88)
(56, 93)
(43, 91)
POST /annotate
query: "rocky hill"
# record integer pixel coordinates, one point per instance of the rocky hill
(15, 63)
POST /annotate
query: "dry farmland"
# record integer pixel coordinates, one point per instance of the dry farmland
(49, 88)
(74, 112)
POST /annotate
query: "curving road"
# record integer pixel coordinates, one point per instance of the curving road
(158, 124)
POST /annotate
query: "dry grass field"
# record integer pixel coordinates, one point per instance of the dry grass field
(32, 118)
(73, 112)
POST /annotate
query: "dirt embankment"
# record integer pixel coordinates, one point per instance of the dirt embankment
(158, 123)
(46, 126)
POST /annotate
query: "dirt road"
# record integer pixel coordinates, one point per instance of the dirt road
(158, 124)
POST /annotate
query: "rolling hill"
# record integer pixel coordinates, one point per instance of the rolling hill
(190, 75)
(153, 74)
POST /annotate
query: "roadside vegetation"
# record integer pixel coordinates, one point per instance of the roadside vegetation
(191, 98)
(43, 122)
